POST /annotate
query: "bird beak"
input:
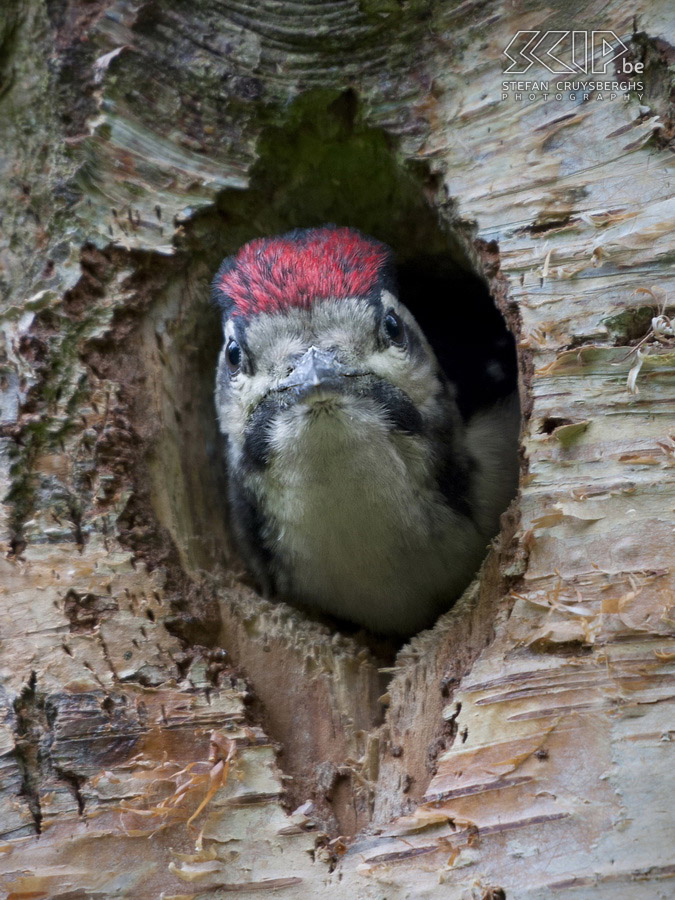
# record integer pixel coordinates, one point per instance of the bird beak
(316, 368)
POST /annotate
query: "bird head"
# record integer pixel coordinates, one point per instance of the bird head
(314, 329)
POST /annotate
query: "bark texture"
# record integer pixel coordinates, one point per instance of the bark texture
(163, 731)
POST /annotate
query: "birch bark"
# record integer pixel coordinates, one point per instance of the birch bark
(154, 712)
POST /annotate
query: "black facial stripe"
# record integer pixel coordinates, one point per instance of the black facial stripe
(401, 412)
(256, 448)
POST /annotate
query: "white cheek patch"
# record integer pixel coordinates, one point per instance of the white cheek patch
(415, 377)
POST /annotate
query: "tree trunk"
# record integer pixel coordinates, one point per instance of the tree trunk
(164, 732)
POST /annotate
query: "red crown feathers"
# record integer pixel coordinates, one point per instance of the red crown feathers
(295, 269)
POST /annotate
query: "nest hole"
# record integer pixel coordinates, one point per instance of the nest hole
(358, 719)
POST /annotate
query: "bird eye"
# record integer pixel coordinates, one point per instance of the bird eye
(394, 328)
(233, 356)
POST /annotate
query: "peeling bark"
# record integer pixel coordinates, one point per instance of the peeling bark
(153, 709)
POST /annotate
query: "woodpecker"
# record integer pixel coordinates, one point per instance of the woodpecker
(356, 486)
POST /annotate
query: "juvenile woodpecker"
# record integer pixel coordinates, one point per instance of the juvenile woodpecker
(356, 488)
